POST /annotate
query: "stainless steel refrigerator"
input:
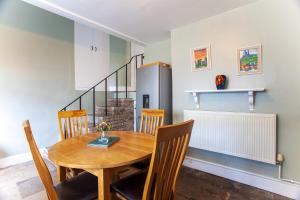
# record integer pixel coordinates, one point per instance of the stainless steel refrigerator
(154, 91)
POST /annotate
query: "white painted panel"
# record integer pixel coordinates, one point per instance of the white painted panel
(91, 56)
(83, 55)
(246, 135)
(101, 57)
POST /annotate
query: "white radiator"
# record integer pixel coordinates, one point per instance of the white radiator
(245, 135)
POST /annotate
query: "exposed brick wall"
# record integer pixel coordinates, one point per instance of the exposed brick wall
(121, 117)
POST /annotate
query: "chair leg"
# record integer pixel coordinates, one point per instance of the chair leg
(61, 174)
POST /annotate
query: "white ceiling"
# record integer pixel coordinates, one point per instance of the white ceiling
(142, 21)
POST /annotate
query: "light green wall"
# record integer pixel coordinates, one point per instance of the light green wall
(119, 52)
(276, 25)
(159, 51)
(119, 55)
(36, 73)
(25, 17)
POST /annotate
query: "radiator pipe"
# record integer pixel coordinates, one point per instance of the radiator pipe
(280, 161)
(279, 171)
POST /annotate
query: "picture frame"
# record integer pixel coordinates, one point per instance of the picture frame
(249, 60)
(201, 58)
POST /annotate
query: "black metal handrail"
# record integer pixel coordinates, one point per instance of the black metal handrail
(105, 82)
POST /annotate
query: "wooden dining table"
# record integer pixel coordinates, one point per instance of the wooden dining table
(101, 162)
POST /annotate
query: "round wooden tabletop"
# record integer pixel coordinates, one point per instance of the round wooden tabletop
(75, 152)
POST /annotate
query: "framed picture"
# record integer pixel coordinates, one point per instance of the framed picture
(249, 60)
(201, 58)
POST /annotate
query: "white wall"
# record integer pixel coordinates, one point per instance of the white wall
(276, 25)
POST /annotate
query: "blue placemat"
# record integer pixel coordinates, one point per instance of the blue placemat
(99, 143)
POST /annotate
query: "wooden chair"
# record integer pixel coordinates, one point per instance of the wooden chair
(72, 123)
(83, 186)
(171, 143)
(151, 119)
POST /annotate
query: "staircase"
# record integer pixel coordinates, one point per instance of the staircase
(121, 117)
(113, 109)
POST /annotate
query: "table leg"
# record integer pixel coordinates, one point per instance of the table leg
(104, 180)
(61, 174)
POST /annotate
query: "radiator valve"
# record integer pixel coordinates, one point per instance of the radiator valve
(280, 158)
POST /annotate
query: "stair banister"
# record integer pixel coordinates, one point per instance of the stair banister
(106, 91)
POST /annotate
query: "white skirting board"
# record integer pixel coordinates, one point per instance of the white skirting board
(259, 181)
(20, 158)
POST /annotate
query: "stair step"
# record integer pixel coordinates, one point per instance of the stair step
(122, 95)
(121, 117)
(100, 111)
(121, 102)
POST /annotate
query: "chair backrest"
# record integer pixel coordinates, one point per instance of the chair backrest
(170, 147)
(39, 163)
(72, 123)
(151, 119)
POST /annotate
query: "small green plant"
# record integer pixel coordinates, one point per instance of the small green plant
(103, 126)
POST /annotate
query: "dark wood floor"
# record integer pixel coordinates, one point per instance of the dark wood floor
(197, 185)
(22, 182)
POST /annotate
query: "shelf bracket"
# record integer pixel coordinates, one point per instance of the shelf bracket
(196, 100)
(251, 96)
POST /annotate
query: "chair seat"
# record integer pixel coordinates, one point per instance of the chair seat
(81, 187)
(131, 187)
(142, 164)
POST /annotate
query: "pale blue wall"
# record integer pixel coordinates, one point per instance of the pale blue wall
(276, 25)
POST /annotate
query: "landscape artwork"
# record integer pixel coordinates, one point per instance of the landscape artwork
(201, 58)
(249, 60)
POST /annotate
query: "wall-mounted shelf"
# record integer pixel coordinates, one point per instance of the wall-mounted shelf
(251, 94)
